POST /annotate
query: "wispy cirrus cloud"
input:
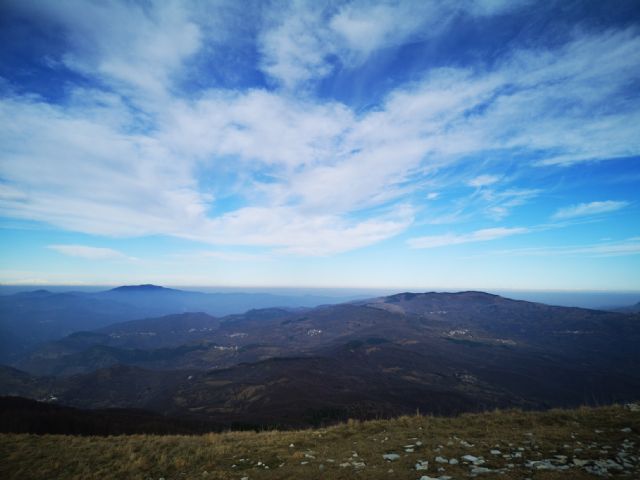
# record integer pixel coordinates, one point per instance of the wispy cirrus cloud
(89, 253)
(483, 180)
(307, 41)
(482, 235)
(127, 44)
(626, 247)
(588, 209)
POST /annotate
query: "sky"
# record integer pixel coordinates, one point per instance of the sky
(378, 144)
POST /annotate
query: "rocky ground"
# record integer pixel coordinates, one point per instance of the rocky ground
(573, 444)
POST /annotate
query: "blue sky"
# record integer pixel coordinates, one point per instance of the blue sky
(432, 144)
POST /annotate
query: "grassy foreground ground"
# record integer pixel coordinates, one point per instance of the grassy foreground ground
(585, 443)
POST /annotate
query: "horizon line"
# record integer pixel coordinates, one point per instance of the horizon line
(400, 289)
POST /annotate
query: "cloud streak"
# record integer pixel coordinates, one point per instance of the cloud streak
(483, 235)
(626, 247)
(589, 209)
(89, 253)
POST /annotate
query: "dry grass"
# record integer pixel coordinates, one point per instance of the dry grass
(319, 453)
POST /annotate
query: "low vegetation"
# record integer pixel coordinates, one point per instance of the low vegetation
(571, 444)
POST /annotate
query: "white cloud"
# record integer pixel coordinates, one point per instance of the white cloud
(587, 209)
(494, 7)
(476, 236)
(130, 43)
(224, 255)
(364, 27)
(305, 40)
(483, 181)
(291, 231)
(629, 246)
(89, 253)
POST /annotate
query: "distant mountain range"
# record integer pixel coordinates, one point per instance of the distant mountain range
(436, 352)
(30, 318)
(630, 309)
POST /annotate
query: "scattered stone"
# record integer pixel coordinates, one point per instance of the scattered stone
(479, 470)
(496, 452)
(440, 459)
(422, 465)
(540, 465)
(391, 456)
(625, 430)
(634, 407)
(453, 461)
(470, 458)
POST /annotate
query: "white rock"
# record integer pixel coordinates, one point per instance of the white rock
(453, 461)
(440, 459)
(478, 470)
(391, 456)
(496, 452)
(422, 465)
(470, 458)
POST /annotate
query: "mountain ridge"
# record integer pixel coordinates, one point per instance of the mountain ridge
(445, 352)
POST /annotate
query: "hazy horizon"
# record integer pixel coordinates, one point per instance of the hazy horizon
(575, 298)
